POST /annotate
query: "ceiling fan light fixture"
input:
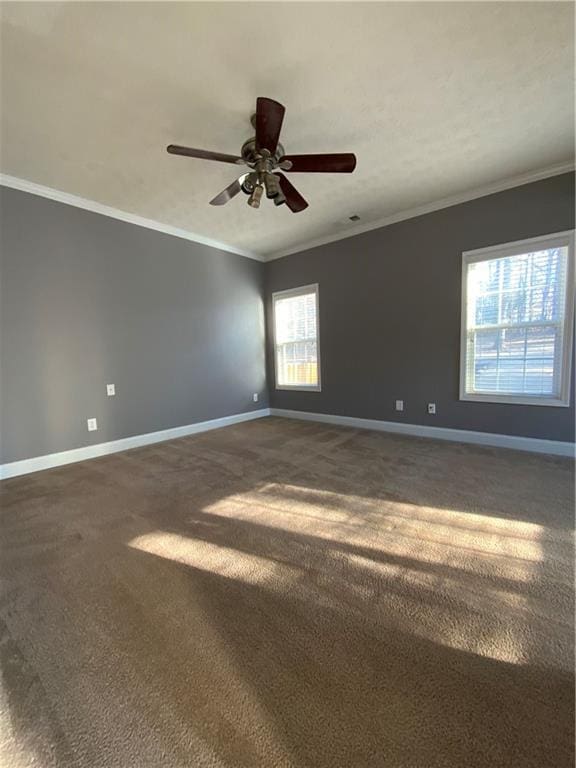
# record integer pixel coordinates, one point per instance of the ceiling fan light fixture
(250, 181)
(256, 196)
(272, 184)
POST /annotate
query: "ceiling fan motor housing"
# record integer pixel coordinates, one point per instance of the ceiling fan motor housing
(251, 155)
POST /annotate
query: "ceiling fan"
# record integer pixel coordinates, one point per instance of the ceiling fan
(264, 156)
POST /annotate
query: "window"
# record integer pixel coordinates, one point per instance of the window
(517, 317)
(296, 346)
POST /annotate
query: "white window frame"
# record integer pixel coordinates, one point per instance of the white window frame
(555, 240)
(300, 291)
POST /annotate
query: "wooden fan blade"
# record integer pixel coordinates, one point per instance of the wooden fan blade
(341, 163)
(203, 154)
(228, 193)
(269, 117)
(294, 199)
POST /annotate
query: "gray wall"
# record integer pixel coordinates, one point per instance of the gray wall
(87, 300)
(390, 313)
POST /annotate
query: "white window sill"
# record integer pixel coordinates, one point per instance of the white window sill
(515, 400)
(297, 388)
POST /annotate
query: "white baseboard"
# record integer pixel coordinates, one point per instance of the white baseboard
(532, 444)
(38, 463)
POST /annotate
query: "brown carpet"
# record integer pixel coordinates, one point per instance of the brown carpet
(282, 593)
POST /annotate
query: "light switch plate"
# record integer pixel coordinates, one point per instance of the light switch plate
(432, 408)
(255, 397)
(399, 405)
(110, 390)
(92, 425)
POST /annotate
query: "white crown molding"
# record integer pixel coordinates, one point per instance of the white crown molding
(24, 467)
(532, 444)
(90, 205)
(411, 213)
(105, 210)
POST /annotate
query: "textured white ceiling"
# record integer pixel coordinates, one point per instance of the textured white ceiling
(434, 98)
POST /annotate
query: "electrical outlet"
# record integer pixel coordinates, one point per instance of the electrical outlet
(432, 408)
(92, 425)
(110, 390)
(255, 397)
(399, 405)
